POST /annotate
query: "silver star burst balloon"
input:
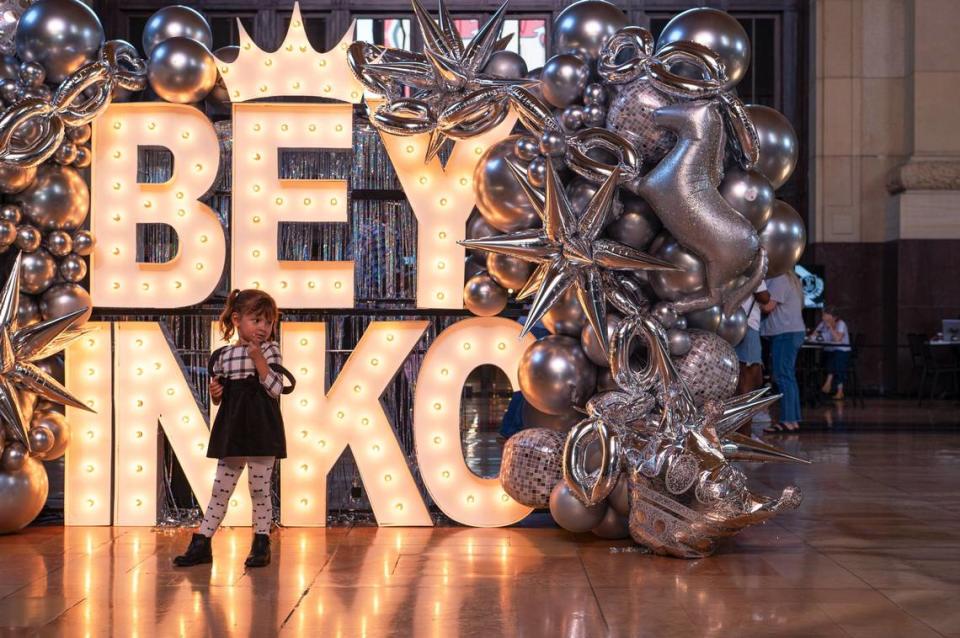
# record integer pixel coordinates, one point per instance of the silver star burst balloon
(443, 90)
(570, 252)
(21, 347)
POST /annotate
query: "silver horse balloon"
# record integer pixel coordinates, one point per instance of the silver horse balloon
(683, 190)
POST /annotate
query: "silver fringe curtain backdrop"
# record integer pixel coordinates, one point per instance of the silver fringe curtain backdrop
(381, 237)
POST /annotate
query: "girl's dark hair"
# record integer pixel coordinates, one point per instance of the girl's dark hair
(247, 302)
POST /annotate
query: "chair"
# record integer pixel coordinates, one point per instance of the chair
(924, 363)
(853, 378)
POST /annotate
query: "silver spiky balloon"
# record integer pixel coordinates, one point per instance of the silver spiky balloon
(570, 252)
(20, 348)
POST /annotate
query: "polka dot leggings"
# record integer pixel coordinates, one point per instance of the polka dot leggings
(228, 473)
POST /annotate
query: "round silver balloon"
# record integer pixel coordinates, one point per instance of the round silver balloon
(591, 344)
(784, 237)
(58, 200)
(678, 339)
(572, 117)
(13, 458)
(718, 31)
(8, 234)
(584, 27)
(218, 100)
(637, 226)
(22, 495)
(37, 271)
(526, 148)
(779, 147)
(66, 153)
(710, 369)
(500, 197)
(84, 157)
(563, 79)
(41, 441)
(61, 35)
(613, 526)
(83, 243)
(478, 228)
(673, 285)
(534, 418)
(594, 115)
(566, 316)
(181, 70)
(14, 179)
(28, 238)
(65, 298)
(176, 21)
(73, 268)
(707, 319)
(483, 296)
(473, 265)
(579, 192)
(555, 375)
(54, 366)
(59, 243)
(9, 91)
(11, 213)
(510, 272)
(570, 513)
(553, 144)
(631, 115)
(665, 314)
(28, 312)
(594, 94)
(531, 464)
(537, 172)
(733, 328)
(56, 424)
(750, 194)
(506, 64)
(619, 498)
(32, 74)
(681, 323)
(80, 134)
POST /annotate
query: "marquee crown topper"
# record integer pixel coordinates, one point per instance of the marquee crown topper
(294, 69)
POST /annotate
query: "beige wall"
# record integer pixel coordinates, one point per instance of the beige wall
(887, 94)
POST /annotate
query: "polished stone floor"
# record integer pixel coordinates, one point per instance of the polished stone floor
(874, 551)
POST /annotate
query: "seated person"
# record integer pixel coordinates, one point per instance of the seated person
(833, 330)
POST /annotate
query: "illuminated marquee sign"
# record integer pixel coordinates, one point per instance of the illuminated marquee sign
(111, 466)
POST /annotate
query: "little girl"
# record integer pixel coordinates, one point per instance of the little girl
(247, 379)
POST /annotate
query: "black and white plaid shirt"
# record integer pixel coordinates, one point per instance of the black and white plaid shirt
(235, 363)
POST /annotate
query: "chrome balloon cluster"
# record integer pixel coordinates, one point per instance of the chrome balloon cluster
(637, 199)
(671, 455)
(31, 428)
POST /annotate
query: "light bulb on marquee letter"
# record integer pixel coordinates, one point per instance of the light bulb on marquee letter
(261, 200)
(461, 494)
(119, 203)
(441, 198)
(87, 474)
(320, 426)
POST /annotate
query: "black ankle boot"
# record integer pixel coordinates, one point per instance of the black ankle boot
(259, 551)
(198, 553)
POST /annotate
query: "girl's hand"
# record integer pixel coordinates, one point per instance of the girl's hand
(216, 390)
(253, 348)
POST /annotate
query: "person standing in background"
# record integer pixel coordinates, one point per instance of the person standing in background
(748, 350)
(833, 330)
(785, 328)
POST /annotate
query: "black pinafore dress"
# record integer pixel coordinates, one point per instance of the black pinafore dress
(249, 421)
